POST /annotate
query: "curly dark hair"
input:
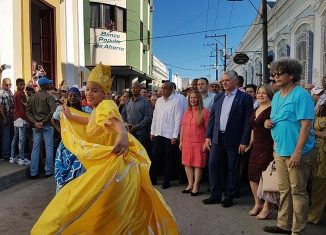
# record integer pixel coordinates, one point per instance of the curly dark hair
(321, 111)
(288, 65)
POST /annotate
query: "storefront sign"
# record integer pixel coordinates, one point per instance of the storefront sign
(240, 58)
(108, 47)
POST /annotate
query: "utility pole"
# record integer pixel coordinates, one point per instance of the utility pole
(216, 58)
(225, 48)
(263, 16)
(216, 62)
(265, 42)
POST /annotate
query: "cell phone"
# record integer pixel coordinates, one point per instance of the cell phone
(6, 66)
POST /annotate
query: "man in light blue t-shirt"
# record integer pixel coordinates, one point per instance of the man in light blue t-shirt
(291, 126)
(208, 97)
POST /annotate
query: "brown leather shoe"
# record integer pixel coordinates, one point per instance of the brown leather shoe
(275, 229)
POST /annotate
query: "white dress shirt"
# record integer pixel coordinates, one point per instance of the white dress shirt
(183, 100)
(226, 109)
(167, 117)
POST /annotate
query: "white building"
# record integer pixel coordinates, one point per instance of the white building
(69, 37)
(159, 73)
(296, 28)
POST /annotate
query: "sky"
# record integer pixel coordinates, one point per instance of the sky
(193, 55)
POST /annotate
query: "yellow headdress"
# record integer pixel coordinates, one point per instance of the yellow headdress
(101, 75)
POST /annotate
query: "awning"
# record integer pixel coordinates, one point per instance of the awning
(127, 72)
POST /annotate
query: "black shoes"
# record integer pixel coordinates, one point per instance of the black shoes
(275, 229)
(195, 194)
(47, 176)
(34, 177)
(212, 200)
(38, 176)
(187, 190)
(166, 185)
(227, 202)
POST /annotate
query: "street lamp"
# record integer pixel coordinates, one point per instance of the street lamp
(263, 16)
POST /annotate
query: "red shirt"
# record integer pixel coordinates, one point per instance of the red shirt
(19, 105)
(192, 132)
(84, 103)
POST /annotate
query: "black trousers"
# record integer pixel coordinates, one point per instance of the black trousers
(143, 139)
(224, 166)
(163, 159)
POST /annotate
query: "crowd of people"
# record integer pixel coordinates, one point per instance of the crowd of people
(211, 130)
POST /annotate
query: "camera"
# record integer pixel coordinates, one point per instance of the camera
(6, 66)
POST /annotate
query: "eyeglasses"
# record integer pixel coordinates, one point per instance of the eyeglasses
(273, 75)
(271, 81)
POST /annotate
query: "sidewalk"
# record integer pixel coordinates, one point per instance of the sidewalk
(11, 174)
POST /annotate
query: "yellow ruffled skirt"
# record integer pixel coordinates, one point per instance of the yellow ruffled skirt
(114, 196)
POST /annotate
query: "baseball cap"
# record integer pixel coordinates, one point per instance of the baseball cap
(65, 88)
(44, 81)
(316, 91)
(83, 89)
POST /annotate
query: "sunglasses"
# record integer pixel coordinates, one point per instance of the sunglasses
(273, 75)
(271, 81)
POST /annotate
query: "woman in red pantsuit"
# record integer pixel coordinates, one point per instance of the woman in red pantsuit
(192, 138)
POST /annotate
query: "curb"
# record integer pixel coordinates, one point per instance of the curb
(12, 174)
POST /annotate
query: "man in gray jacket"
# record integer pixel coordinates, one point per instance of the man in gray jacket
(137, 114)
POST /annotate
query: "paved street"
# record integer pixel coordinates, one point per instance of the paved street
(21, 205)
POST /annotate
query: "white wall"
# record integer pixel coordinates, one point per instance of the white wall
(10, 46)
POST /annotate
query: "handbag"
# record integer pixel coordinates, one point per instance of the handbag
(270, 178)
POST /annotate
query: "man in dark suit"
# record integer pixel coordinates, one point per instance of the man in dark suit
(227, 136)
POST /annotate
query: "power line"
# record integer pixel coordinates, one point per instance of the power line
(192, 19)
(207, 14)
(255, 8)
(230, 17)
(218, 5)
(185, 34)
(190, 60)
(182, 68)
(197, 32)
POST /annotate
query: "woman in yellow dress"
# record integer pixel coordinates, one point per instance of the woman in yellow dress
(115, 195)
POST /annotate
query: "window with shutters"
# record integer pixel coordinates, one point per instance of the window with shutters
(283, 49)
(304, 53)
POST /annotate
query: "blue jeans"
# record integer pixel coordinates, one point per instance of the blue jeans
(6, 133)
(20, 136)
(47, 133)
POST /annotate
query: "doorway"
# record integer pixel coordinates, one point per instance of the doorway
(43, 37)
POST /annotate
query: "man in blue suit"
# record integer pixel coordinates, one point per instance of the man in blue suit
(227, 136)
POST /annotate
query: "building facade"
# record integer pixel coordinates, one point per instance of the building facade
(160, 73)
(297, 29)
(69, 37)
(119, 33)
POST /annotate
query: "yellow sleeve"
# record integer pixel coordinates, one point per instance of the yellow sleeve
(107, 109)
